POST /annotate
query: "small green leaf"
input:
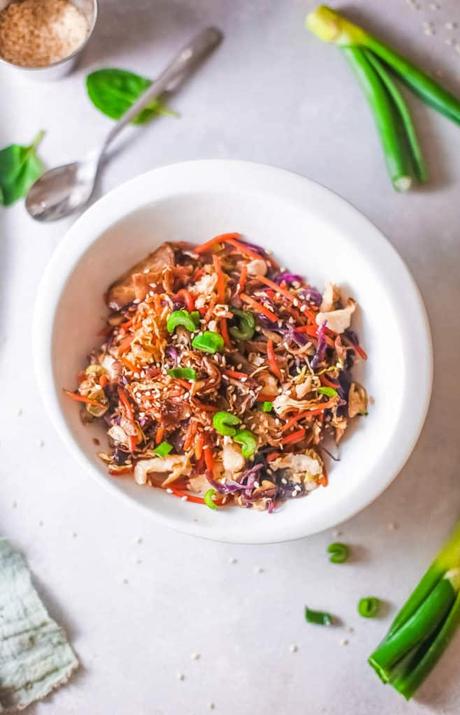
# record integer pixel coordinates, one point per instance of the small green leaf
(114, 91)
(328, 391)
(20, 167)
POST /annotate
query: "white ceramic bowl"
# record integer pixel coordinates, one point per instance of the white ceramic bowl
(311, 231)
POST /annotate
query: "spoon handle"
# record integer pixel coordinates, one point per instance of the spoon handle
(178, 70)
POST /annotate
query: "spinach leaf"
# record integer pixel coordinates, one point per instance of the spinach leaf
(114, 91)
(19, 168)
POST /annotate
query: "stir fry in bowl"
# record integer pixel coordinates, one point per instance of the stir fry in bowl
(221, 376)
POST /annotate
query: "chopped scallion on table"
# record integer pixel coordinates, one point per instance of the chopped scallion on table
(339, 553)
(319, 618)
(369, 607)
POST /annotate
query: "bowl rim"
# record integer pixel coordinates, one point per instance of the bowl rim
(114, 206)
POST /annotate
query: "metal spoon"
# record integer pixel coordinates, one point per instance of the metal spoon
(63, 190)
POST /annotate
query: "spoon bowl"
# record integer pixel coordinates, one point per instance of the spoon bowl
(62, 191)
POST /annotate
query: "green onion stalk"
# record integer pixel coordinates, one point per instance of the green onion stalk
(424, 626)
(373, 62)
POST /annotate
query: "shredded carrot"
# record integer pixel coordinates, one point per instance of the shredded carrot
(132, 442)
(125, 344)
(121, 472)
(199, 442)
(220, 279)
(80, 398)
(235, 374)
(325, 380)
(265, 396)
(312, 332)
(209, 459)
(160, 433)
(127, 363)
(224, 331)
(324, 479)
(124, 326)
(272, 456)
(259, 307)
(272, 363)
(189, 435)
(103, 381)
(125, 402)
(242, 248)
(276, 288)
(243, 279)
(294, 437)
(357, 348)
(222, 238)
(190, 497)
(309, 413)
(187, 297)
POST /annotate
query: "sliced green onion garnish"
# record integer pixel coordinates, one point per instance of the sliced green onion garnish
(224, 423)
(369, 607)
(338, 553)
(209, 498)
(246, 325)
(320, 618)
(163, 449)
(328, 391)
(267, 406)
(182, 317)
(248, 441)
(185, 373)
(208, 342)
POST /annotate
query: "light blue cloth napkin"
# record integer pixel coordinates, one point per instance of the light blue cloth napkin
(35, 656)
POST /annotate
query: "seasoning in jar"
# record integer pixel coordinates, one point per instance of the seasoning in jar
(38, 33)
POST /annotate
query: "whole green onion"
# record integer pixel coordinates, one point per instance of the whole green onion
(246, 325)
(185, 373)
(424, 626)
(209, 498)
(163, 449)
(415, 152)
(248, 441)
(224, 423)
(182, 317)
(338, 553)
(396, 156)
(208, 342)
(320, 618)
(330, 26)
(369, 607)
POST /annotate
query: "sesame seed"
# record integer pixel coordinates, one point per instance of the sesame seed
(212, 706)
(184, 498)
(125, 581)
(343, 642)
(195, 656)
(293, 648)
(169, 491)
(259, 569)
(180, 676)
